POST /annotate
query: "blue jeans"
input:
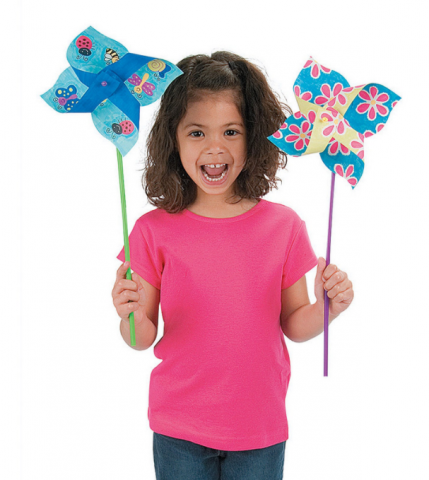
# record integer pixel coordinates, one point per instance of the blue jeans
(177, 459)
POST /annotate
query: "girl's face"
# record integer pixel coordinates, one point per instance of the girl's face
(212, 132)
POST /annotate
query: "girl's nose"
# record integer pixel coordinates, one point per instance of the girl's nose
(215, 146)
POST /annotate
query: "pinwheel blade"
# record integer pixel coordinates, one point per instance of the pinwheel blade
(91, 51)
(65, 95)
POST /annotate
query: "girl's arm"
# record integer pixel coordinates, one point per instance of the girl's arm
(300, 320)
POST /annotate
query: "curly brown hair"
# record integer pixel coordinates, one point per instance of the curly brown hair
(165, 181)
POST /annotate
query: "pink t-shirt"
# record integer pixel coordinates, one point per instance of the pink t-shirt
(225, 367)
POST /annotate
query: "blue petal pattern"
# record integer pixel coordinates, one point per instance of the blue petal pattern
(313, 85)
(290, 147)
(359, 121)
(346, 162)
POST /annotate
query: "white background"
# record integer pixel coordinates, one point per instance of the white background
(74, 396)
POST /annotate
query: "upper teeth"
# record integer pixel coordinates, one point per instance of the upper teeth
(215, 166)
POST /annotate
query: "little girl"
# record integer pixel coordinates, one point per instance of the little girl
(229, 268)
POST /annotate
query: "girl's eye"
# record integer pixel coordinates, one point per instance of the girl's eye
(199, 131)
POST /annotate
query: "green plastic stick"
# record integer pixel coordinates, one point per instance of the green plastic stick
(126, 242)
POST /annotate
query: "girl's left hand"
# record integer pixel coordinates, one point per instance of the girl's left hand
(338, 286)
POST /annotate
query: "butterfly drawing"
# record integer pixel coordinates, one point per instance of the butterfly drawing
(141, 85)
(66, 97)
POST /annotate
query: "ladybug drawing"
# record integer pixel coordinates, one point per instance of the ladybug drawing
(84, 45)
(126, 127)
(66, 98)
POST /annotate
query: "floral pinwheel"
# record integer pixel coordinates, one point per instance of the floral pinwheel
(334, 120)
(112, 84)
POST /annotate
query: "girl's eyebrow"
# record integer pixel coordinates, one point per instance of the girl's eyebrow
(203, 126)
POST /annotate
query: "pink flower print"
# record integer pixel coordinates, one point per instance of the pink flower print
(297, 115)
(279, 134)
(304, 95)
(348, 173)
(315, 68)
(334, 121)
(378, 128)
(311, 116)
(394, 103)
(331, 96)
(301, 136)
(373, 104)
(359, 144)
(335, 146)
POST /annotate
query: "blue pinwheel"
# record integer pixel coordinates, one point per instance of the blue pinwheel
(111, 83)
(334, 119)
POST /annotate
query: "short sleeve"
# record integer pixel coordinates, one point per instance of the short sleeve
(300, 258)
(143, 258)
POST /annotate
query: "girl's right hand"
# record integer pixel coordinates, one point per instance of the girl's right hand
(129, 295)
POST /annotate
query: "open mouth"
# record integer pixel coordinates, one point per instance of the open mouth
(214, 175)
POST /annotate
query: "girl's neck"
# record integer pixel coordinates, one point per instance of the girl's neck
(222, 210)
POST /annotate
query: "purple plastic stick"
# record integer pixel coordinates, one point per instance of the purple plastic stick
(326, 298)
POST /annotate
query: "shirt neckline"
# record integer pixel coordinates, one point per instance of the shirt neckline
(242, 216)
